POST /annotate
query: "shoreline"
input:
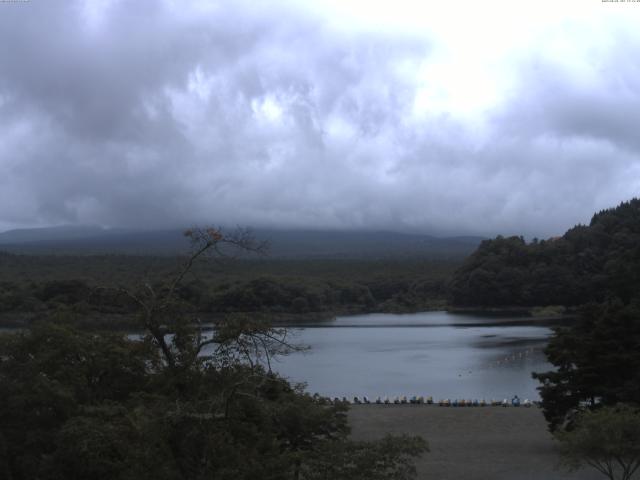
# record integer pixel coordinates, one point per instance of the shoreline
(125, 322)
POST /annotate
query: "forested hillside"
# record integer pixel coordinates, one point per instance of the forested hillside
(588, 263)
(82, 287)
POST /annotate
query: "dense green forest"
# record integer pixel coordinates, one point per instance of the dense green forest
(593, 269)
(80, 405)
(77, 404)
(64, 271)
(588, 263)
(84, 286)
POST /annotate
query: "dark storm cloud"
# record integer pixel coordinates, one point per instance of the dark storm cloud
(561, 104)
(155, 113)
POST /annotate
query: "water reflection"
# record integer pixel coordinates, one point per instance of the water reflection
(431, 353)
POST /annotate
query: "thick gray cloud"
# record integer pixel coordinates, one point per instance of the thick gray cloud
(154, 113)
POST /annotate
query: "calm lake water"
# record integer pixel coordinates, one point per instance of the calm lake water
(432, 353)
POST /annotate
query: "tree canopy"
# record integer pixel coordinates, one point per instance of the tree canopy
(607, 439)
(596, 270)
(588, 263)
(175, 403)
(597, 362)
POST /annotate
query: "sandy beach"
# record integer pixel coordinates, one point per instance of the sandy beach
(480, 443)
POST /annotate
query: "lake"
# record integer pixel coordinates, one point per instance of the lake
(432, 353)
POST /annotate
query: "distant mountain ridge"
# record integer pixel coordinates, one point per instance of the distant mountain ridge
(62, 232)
(283, 243)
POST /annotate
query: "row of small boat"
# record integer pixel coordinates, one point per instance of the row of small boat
(514, 402)
(420, 400)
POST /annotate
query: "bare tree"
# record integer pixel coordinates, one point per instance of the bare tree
(180, 337)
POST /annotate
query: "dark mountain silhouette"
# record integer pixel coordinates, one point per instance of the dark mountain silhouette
(283, 243)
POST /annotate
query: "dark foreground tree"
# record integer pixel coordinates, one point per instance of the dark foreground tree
(597, 362)
(175, 404)
(607, 439)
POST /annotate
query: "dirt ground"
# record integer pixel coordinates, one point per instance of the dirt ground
(478, 443)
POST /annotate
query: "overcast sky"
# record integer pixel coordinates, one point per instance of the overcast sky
(456, 117)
